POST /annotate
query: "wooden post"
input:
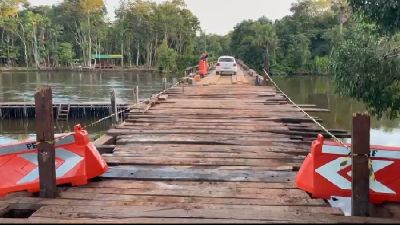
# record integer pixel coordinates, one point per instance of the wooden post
(137, 94)
(134, 95)
(183, 86)
(164, 81)
(114, 109)
(360, 164)
(45, 139)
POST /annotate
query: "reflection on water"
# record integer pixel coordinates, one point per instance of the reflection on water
(22, 129)
(72, 87)
(78, 87)
(321, 92)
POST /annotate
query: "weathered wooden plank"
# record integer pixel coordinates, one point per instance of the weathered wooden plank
(194, 185)
(210, 211)
(51, 220)
(190, 185)
(202, 139)
(200, 126)
(270, 196)
(326, 219)
(271, 164)
(116, 132)
(284, 148)
(179, 201)
(140, 197)
(241, 155)
(166, 173)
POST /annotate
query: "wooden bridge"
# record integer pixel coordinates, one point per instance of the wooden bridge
(222, 150)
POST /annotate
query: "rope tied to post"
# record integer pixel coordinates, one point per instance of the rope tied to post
(308, 115)
(336, 139)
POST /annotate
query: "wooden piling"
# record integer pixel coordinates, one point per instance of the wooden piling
(114, 109)
(45, 142)
(136, 95)
(360, 164)
(164, 81)
(257, 80)
(25, 112)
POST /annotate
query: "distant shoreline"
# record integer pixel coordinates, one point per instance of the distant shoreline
(82, 69)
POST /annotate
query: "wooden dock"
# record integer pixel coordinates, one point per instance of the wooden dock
(15, 110)
(222, 150)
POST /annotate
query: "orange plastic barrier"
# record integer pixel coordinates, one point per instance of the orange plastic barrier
(77, 161)
(326, 172)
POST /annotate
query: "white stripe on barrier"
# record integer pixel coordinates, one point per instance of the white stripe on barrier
(70, 161)
(332, 149)
(375, 153)
(330, 171)
(29, 146)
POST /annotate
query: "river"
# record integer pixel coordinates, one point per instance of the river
(72, 87)
(320, 91)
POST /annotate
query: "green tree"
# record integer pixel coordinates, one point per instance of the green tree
(265, 38)
(386, 13)
(166, 57)
(244, 46)
(66, 53)
(146, 24)
(10, 7)
(365, 61)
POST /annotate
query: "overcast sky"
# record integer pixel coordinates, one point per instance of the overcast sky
(218, 16)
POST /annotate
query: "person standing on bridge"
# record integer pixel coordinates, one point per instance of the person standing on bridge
(203, 67)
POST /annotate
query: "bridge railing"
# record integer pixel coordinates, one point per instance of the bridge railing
(260, 80)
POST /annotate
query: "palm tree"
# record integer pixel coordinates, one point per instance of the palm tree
(265, 37)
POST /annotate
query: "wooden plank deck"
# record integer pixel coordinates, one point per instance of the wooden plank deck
(210, 154)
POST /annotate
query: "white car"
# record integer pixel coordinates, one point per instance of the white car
(226, 65)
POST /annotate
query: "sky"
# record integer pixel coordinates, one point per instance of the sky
(217, 16)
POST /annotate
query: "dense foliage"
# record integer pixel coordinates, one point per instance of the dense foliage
(296, 44)
(386, 13)
(363, 71)
(366, 61)
(74, 30)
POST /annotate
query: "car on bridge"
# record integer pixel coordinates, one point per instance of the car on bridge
(226, 65)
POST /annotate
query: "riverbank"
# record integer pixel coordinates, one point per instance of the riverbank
(75, 69)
